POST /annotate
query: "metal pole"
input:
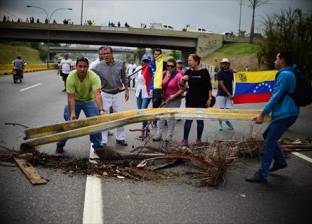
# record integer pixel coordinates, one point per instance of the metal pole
(81, 13)
(240, 17)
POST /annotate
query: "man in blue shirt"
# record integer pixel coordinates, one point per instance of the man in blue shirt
(225, 90)
(284, 113)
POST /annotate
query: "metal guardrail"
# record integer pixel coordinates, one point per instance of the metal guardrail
(6, 69)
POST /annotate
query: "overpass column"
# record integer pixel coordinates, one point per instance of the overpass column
(185, 53)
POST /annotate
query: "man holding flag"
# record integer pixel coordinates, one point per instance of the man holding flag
(284, 112)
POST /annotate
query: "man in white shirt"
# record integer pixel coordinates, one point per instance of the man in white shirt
(65, 68)
(130, 70)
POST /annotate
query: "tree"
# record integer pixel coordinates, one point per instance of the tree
(291, 31)
(254, 4)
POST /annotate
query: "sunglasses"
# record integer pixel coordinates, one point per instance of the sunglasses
(170, 66)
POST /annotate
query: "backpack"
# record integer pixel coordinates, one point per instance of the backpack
(303, 90)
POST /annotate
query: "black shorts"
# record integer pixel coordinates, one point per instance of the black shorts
(64, 76)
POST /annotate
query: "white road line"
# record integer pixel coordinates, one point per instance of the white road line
(92, 211)
(302, 156)
(29, 87)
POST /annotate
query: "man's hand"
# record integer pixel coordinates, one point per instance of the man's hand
(73, 117)
(259, 119)
(127, 94)
(208, 103)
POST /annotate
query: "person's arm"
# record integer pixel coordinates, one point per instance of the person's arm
(179, 92)
(209, 90)
(125, 80)
(99, 101)
(222, 86)
(278, 92)
(71, 106)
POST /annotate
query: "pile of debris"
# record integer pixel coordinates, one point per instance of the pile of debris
(206, 162)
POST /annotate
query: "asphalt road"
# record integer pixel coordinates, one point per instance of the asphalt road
(286, 199)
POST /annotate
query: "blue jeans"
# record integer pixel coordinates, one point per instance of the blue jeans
(271, 148)
(90, 109)
(142, 103)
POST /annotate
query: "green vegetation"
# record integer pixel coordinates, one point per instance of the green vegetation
(239, 48)
(291, 30)
(241, 56)
(8, 53)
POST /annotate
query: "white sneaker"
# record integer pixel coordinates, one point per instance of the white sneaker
(93, 157)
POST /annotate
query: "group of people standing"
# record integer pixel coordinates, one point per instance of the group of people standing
(102, 88)
(159, 82)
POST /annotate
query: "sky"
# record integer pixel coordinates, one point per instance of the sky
(214, 15)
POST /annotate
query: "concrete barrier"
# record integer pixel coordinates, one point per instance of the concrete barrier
(6, 69)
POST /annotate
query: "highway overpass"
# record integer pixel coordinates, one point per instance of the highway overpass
(188, 42)
(87, 49)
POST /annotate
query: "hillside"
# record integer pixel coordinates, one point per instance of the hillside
(239, 54)
(8, 53)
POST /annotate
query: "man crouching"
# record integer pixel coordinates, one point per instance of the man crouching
(83, 89)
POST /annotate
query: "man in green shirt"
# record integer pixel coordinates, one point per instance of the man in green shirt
(83, 89)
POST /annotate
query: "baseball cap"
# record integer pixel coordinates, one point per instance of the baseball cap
(225, 60)
(179, 61)
(145, 58)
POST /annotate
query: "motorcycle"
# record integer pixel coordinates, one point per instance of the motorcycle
(18, 75)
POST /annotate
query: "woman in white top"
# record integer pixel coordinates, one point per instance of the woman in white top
(143, 90)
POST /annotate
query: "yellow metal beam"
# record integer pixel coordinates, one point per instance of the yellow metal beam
(56, 132)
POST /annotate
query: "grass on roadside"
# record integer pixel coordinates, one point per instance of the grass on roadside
(238, 48)
(8, 53)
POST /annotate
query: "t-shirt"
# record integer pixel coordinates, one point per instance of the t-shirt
(173, 85)
(227, 77)
(199, 85)
(83, 90)
(131, 68)
(112, 76)
(65, 65)
(19, 64)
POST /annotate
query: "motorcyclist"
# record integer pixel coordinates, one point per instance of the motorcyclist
(18, 69)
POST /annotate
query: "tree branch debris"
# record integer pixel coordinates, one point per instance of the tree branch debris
(210, 161)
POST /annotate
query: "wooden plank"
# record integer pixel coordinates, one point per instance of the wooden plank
(30, 172)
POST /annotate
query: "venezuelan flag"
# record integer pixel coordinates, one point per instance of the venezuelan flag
(253, 87)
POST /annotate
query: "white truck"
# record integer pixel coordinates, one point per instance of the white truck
(160, 26)
(191, 28)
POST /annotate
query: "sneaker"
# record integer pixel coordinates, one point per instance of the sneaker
(198, 142)
(184, 143)
(256, 178)
(278, 166)
(157, 138)
(121, 142)
(229, 124)
(220, 127)
(59, 150)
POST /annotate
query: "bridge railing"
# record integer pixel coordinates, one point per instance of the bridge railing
(6, 69)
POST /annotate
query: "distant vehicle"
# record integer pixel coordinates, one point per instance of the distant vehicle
(160, 26)
(195, 29)
(155, 26)
(167, 27)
